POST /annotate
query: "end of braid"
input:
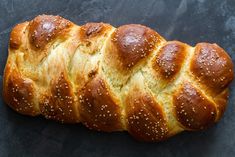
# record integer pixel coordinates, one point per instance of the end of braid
(19, 93)
(212, 66)
(16, 36)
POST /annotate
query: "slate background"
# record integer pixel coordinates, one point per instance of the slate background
(189, 21)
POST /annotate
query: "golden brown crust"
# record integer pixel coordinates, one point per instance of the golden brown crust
(98, 107)
(16, 35)
(92, 30)
(169, 60)
(133, 43)
(58, 104)
(193, 110)
(19, 94)
(212, 66)
(45, 28)
(145, 117)
(115, 79)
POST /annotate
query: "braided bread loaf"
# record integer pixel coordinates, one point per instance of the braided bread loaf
(129, 78)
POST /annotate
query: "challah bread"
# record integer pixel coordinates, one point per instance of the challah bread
(114, 79)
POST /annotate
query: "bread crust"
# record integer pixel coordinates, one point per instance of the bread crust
(115, 79)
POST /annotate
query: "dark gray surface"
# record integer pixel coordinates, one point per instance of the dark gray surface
(188, 21)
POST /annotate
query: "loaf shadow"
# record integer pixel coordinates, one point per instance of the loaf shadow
(121, 144)
(40, 137)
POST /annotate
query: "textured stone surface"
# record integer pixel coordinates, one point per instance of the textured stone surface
(188, 21)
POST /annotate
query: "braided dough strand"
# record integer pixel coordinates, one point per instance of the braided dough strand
(113, 79)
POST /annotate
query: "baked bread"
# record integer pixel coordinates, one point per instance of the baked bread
(115, 79)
